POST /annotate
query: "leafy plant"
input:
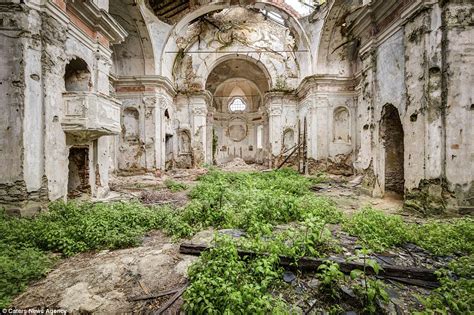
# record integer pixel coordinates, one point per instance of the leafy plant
(370, 291)
(175, 186)
(377, 230)
(18, 266)
(446, 238)
(331, 277)
(456, 293)
(224, 283)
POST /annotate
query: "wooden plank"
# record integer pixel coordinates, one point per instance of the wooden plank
(397, 273)
(153, 296)
(171, 301)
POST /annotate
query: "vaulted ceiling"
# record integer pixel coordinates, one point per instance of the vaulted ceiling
(170, 11)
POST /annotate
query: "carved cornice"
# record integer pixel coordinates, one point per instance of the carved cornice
(98, 20)
(269, 96)
(325, 84)
(143, 84)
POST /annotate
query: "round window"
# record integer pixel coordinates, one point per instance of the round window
(237, 105)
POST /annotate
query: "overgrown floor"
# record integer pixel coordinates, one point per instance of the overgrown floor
(109, 280)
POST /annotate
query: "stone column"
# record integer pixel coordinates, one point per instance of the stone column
(160, 134)
(321, 118)
(199, 104)
(151, 121)
(210, 136)
(274, 123)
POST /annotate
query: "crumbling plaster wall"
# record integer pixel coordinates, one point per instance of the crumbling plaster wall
(38, 44)
(419, 70)
(208, 7)
(22, 181)
(239, 30)
(62, 46)
(145, 151)
(458, 20)
(191, 115)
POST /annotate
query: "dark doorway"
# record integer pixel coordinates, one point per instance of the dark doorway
(78, 180)
(392, 135)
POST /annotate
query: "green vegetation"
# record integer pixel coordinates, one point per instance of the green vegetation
(456, 294)
(278, 214)
(379, 231)
(175, 186)
(18, 266)
(370, 291)
(253, 202)
(67, 229)
(224, 283)
(331, 277)
(446, 238)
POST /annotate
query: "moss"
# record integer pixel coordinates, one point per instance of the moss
(428, 199)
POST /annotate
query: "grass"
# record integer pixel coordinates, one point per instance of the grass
(277, 211)
(379, 231)
(175, 186)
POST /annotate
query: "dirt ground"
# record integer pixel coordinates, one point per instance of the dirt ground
(108, 281)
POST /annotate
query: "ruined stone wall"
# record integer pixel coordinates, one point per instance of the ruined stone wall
(38, 44)
(22, 180)
(417, 68)
(458, 95)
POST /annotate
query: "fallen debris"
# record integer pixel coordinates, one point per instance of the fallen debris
(153, 296)
(415, 276)
(171, 300)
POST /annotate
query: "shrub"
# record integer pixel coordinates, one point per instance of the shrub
(224, 283)
(18, 266)
(456, 293)
(446, 238)
(175, 186)
(377, 230)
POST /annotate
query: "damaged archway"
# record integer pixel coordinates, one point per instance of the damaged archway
(238, 86)
(391, 132)
(188, 31)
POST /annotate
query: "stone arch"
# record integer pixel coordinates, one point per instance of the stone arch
(392, 135)
(135, 56)
(77, 76)
(335, 51)
(204, 72)
(168, 59)
(341, 124)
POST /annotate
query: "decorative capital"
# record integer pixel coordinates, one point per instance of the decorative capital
(275, 110)
(199, 110)
(149, 101)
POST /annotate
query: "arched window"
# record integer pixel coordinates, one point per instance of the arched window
(237, 105)
(77, 77)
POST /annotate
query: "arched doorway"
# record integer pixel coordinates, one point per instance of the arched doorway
(393, 141)
(238, 86)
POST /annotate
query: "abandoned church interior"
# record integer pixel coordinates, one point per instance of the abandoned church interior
(94, 93)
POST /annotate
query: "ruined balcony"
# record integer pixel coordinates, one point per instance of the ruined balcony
(90, 115)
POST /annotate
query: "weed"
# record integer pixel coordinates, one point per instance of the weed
(456, 293)
(377, 230)
(175, 186)
(331, 277)
(224, 283)
(370, 291)
(18, 266)
(446, 238)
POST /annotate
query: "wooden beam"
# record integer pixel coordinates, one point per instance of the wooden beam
(423, 277)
